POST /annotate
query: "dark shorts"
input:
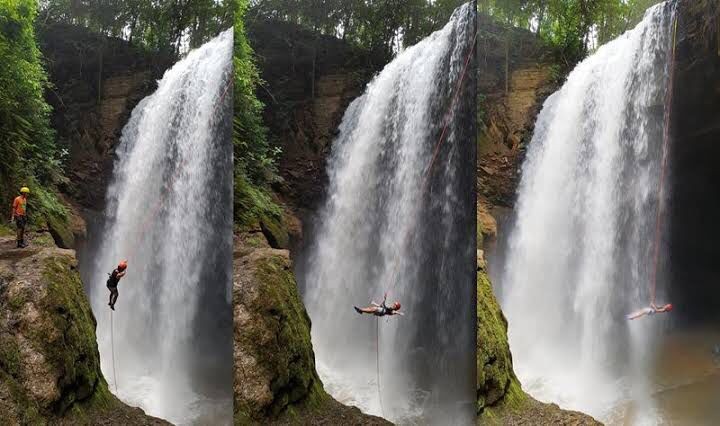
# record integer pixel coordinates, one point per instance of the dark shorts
(21, 221)
(111, 286)
(381, 312)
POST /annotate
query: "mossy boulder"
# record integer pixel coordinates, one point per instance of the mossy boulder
(496, 381)
(274, 359)
(49, 361)
(276, 382)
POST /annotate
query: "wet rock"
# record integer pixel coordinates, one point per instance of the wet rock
(49, 360)
(275, 377)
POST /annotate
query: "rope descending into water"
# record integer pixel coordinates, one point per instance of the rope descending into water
(377, 363)
(112, 345)
(426, 179)
(661, 183)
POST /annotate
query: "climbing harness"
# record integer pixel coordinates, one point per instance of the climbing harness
(661, 182)
(112, 346)
(424, 187)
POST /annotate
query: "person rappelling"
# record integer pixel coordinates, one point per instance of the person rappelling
(651, 310)
(19, 215)
(380, 310)
(114, 280)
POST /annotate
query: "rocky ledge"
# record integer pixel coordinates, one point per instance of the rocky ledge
(275, 377)
(49, 360)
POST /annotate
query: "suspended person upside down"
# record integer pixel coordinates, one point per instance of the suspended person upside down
(114, 280)
(651, 310)
(380, 310)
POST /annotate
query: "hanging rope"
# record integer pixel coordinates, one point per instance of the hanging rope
(145, 224)
(112, 345)
(663, 167)
(426, 180)
(377, 363)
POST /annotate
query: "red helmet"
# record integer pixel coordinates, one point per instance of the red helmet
(396, 306)
(122, 265)
(668, 307)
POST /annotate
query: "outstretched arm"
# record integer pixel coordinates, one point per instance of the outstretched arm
(397, 313)
(121, 274)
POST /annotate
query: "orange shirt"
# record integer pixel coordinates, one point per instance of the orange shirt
(19, 206)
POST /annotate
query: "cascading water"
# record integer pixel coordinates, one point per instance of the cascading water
(580, 254)
(169, 213)
(382, 230)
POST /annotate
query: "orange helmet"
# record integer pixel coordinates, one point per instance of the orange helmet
(122, 265)
(396, 306)
(668, 307)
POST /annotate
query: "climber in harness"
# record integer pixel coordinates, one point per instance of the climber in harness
(650, 310)
(380, 310)
(113, 280)
(19, 215)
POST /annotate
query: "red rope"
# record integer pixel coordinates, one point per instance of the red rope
(446, 123)
(665, 153)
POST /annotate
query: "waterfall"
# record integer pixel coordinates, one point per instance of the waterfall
(580, 253)
(169, 213)
(380, 229)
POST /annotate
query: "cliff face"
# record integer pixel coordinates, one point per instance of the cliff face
(515, 76)
(694, 174)
(310, 80)
(97, 81)
(275, 377)
(49, 360)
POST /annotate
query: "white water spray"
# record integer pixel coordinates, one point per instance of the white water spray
(580, 255)
(379, 231)
(169, 213)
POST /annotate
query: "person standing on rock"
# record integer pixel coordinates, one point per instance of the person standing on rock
(380, 310)
(19, 215)
(114, 280)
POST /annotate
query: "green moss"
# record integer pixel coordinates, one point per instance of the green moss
(42, 239)
(10, 355)
(68, 336)
(288, 355)
(496, 382)
(252, 204)
(60, 230)
(7, 231)
(275, 231)
(16, 301)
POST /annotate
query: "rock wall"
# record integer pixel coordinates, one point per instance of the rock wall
(310, 80)
(694, 174)
(275, 377)
(96, 83)
(515, 74)
(49, 360)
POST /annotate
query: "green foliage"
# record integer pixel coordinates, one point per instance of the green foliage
(173, 25)
(254, 158)
(573, 27)
(27, 146)
(378, 25)
(28, 154)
